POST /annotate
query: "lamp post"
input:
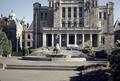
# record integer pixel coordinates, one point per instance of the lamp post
(23, 44)
(1, 48)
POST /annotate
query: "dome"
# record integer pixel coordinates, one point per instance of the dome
(37, 5)
(12, 14)
(24, 21)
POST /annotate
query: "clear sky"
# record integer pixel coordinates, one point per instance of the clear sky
(24, 8)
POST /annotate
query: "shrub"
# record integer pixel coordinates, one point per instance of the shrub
(87, 50)
(114, 60)
(17, 54)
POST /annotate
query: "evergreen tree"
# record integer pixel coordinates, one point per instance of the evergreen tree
(115, 64)
(6, 44)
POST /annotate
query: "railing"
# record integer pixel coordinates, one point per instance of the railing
(82, 28)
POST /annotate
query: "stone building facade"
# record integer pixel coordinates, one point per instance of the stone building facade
(14, 29)
(72, 22)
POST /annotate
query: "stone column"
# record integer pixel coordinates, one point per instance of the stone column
(91, 39)
(72, 12)
(66, 13)
(83, 40)
(67, 39)
(77, 12)
(75, 39)
(60, 40)
(99, 39)
(77, 16)
(52, 40)
(44, 39)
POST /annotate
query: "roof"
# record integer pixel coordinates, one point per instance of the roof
(117, 25)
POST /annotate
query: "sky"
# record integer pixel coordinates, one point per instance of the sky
(24, 8)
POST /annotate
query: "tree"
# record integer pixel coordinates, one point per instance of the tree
(114, 60)
(6, 44)
(2, 24)
(7, 47)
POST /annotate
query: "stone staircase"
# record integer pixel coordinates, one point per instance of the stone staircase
(41, 67)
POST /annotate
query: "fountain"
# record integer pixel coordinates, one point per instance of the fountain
(55, 54)
(58, 55)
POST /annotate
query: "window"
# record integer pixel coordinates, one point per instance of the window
(69, 24)
(28, 36)
(63, 12)
(44, 24)
(69, 12)
(81, 22)
(75, 12)
(100, 15)
(80, 14)
(103, 40)
(80, 11)
(28, 43)
(119, 24)
(63, 24)
(75, 24)
(41, 16)
(104, 15)
(46, 16)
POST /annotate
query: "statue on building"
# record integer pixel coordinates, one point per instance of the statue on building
(56, 49)
(56, 4)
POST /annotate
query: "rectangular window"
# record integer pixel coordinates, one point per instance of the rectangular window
(41, 16)
(28, 43)
(104, 15)
(75, 24)
(63, 24)
(69, 24)
(69, 12)
(103, 40)
(29, 36)
(81, 22)
(80, 11)
(80, 14)
(75, 12)
(46, 16)
(63, 12)
(100, 15)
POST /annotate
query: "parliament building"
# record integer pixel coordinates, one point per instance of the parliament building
(71, 22)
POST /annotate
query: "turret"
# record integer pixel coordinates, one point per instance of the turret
(110, 7)
(36, 5)
(12, 15)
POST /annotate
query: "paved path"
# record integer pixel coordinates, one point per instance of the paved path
(40, 75)
(36, 75)
(15, 61)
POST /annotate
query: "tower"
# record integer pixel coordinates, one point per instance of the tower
(36, 25)
(12, 15)
(110, 6)
(109, 34)
(55, 4)
(90, 9)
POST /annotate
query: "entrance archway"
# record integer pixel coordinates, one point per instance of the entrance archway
(71, 39)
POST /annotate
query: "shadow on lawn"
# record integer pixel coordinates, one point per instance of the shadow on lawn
(100, 75)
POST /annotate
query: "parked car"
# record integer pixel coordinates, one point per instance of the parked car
(101, 54)
(73, 47)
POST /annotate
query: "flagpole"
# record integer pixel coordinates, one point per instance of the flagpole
(36, 33)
